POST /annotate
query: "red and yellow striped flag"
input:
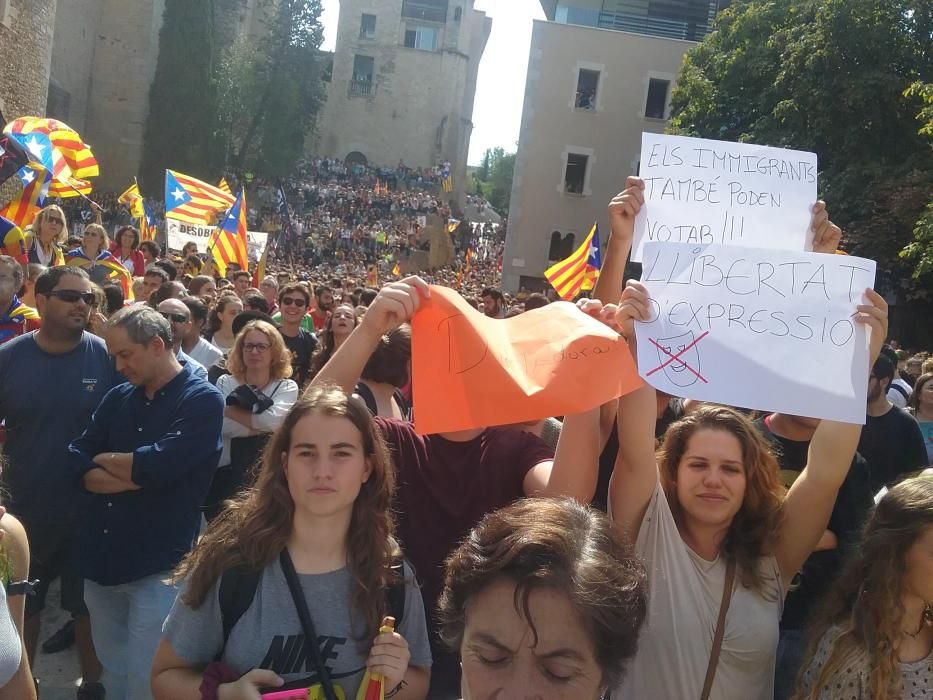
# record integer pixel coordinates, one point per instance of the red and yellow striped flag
(228, 241)
(567, 276)
(191, 200)
(222, 185)
(22, 209)
(132, 198)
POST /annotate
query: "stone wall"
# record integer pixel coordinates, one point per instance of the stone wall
(26, 28)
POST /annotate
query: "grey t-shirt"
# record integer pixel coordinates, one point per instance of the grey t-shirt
(269, 634)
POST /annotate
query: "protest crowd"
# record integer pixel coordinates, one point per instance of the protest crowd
(225, 474)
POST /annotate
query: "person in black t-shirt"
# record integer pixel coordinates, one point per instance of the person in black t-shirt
(790, 438)
(892, 440)
(293, 303)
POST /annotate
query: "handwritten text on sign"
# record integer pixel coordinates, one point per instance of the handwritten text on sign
(714, 192)
(471, 371)
(763, 329)
(181, 232)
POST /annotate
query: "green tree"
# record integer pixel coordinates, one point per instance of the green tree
(827, 76)
(494, 178)
(920, 250)
(180, 130)
(271, 90)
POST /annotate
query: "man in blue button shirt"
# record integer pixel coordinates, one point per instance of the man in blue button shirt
(147, 459)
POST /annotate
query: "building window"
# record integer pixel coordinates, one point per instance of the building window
(361, 84)
(575, 173)
(368, 27)
(458, 14)
(587, 87)
(425, 10)
(422, 38)
(656, 103)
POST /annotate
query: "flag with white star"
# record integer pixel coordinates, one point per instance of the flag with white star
(191, 200)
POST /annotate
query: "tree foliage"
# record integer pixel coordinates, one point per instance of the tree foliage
(829, 76)
(494, 178)
(271, 88)
(180, 130)
(233, 100)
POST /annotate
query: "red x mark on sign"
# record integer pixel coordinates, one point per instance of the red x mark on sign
(676, 357)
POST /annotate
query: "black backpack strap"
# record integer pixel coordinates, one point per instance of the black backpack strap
(395, 592)
(365, 393)
(402, 404)
(238, 587)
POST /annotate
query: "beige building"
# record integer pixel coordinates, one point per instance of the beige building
(600, 73)
(403, 83)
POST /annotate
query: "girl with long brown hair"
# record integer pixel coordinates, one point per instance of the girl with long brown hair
(721, 539)
(317, 521)
(874, 638)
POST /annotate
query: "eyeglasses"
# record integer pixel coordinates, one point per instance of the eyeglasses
(177, 318)
(292, 301)
(256, 347)
(72, 296)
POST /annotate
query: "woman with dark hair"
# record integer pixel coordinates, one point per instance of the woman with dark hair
(337, 329)
(125, 248)
(190, 248)
(317, 530)
(220, 322)
(544, 599)
(920, 407)
(386, 372)
(874, 637)
(203, 286)
(721, 539)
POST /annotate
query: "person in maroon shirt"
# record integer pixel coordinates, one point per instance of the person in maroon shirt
(448, 482)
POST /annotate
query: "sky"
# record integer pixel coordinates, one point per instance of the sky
(500, 93)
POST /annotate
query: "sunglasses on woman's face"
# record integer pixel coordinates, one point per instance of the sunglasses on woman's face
(72, 296)
(292, 301)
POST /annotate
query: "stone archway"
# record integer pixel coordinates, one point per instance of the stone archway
(356, 158)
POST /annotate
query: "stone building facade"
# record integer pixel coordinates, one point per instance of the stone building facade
(600, 73)
(403, 83)
(26, 30)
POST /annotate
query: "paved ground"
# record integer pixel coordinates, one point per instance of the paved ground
(58, 673)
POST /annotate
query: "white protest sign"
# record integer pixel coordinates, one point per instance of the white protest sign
(715, 192)
(761, 329)
(181, 232)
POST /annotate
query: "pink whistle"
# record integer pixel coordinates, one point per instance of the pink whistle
(297, 694)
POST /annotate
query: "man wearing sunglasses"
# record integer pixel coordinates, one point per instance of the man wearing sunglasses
(293, 304)
(179, 318)
(53, 380)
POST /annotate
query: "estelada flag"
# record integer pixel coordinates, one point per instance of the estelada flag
(132, 198)
(227, 243)
(21, 210)
(12, 241)
(12, 157)
(569, 276)
(193, 201)
(106, 259)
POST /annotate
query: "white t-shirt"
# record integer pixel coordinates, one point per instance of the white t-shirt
(284, 394)
(205, 352)
(685, 592)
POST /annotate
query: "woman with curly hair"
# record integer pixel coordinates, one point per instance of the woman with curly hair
(874, 638)
(317, 531)
(258, 395)
(721, 539)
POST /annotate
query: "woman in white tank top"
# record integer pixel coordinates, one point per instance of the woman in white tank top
(709, 500)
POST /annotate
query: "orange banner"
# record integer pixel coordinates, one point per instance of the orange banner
(470, 371)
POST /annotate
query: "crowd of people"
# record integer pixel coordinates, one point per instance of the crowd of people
(225, 475)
